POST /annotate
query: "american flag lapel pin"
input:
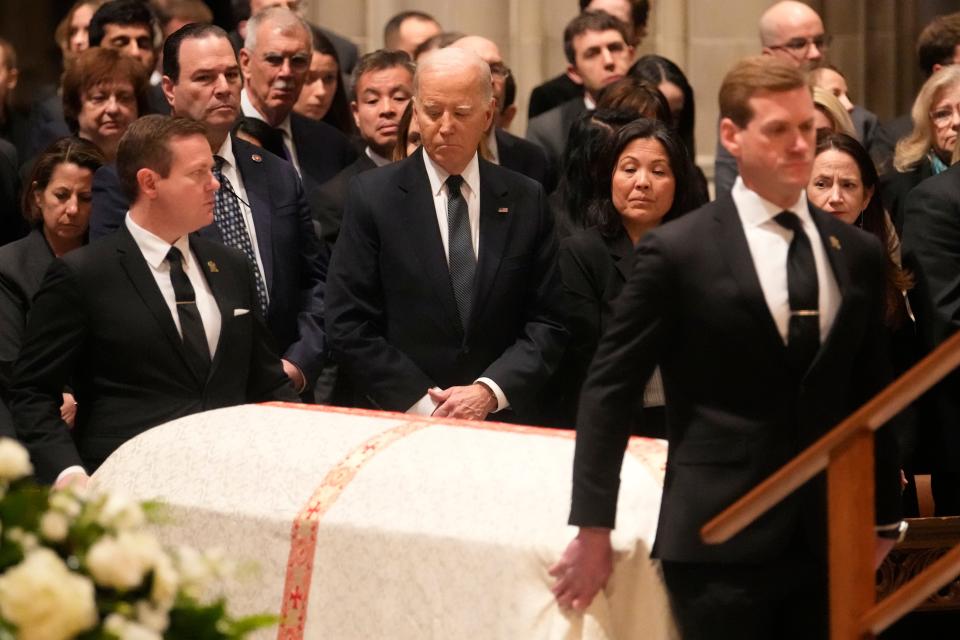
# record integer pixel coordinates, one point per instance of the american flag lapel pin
(256, 157)
(503, 210)
(212, 266)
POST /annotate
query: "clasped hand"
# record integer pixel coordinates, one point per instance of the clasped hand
(472, 402)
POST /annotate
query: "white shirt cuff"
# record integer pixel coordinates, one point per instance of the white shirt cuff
(425, 406)
(71, 469)
(502, 402)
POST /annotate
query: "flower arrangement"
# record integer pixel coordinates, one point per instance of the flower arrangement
(78, 564)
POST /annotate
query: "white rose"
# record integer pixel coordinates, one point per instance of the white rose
(125, 629)
(120, 512)
(65, 502)
(54, 526)
(45, 600)
(166, 582)
(153, 618)
(121, 562)
(14, 460)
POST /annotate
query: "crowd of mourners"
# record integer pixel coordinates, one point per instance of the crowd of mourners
(368, 233)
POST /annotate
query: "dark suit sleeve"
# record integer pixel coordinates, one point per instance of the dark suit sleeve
(308, 352)
(581, 305)
(355, 317)
(266, 381)
(626, 357)
(54, 337)
(110, 204)
(526, 365)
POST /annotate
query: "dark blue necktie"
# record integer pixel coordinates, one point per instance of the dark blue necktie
(463, 262)
(803, 335)
(191, 325)
(233, 230)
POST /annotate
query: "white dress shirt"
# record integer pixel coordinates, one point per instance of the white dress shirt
(231, 173)
(250, 111)
(492, 146)
(378, 159)
(470, 190)
(769, 242)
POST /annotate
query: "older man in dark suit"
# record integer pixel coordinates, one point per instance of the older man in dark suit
(765, 317)
(148, 325)
(261, 208)
(443, 284)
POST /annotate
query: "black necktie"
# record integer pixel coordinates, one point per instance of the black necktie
(191, 326)
(803, 336)
(463, 262)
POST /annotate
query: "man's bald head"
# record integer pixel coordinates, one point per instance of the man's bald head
(794, 32)
(487, 49)
(441, 65)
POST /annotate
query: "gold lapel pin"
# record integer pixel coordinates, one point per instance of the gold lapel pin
(256, 157)
(212, 266)
(835, 243)
(503, 210)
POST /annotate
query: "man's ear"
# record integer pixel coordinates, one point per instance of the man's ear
(353, 110)
(166, 84)
(573, 75)
(730, 136)
(244, 59)
(507, 116)
(147, 182)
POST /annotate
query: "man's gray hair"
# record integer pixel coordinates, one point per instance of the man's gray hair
(458, 60)
(280, 17)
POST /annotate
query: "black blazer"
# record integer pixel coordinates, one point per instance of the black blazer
(552, 93)
(931, 252)
(12, 225)
(99, 320)
(894, 187)
(327, 201)
(392, 318)
(525, 157)
(735, 411)
(294, 262)
(322, 150)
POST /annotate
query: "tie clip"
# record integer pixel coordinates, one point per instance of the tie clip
(805, 312)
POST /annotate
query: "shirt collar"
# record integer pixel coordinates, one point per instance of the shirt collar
(250, 111)
(755, 211)
(378, 159)
(492, 145)
(438, 175)
(226, 152)
(154, 248)
(589, 102)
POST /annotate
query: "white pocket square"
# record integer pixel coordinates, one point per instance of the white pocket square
(240, 312)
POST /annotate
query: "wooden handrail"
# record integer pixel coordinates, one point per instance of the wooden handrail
(872, 415)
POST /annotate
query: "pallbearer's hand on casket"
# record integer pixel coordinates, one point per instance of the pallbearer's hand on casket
(583, 569)
(473, 402)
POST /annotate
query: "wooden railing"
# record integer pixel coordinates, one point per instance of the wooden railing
(846, 453)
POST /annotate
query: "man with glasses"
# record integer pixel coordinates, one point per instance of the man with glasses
(506, 149)
(275, 61)
(793, 32)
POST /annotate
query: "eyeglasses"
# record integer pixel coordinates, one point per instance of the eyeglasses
(298, 61)
(943, 117)
(800, 46)
(500, 69)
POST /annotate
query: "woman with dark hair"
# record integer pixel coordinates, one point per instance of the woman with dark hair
(577, 188)
(56, 202)
(103, 92)
(323, 96)
(844, 182)
(645, 179)
(408, 134)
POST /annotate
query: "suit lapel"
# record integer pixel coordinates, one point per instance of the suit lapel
(495, 222)
(424, 235)
(621, 250)
(257, 184)
(137, 269)
(732, 243)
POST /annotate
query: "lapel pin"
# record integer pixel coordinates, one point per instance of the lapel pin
(257, 157)
(835, 243)
(503, 210)
(212, 266)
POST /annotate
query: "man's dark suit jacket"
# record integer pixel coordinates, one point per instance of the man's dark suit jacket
(322, 150)
(294, 262)
(552, 93)
(12, 225)
(550, 130)
(885, 139)
(931, 252)
(391, 314)
(525, 157)
(735, 411)
(329, 200)
(894, 187)
(100, 322)
(22, 266)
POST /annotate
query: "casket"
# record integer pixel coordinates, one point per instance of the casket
(365, 524)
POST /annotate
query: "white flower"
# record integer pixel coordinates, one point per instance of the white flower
(45, 600)
(14, 460)
(120, 512)
(200, 572)
(121, 562)
(65, 502)
(166, 581)
(54, 526)
(125, 629)
(154, 618)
